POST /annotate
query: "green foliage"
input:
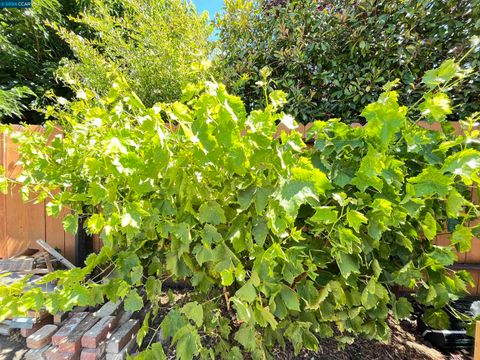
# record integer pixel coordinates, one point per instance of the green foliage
(29, 55)
(332, 57)
(11, 101)
(157, 45)
(297, 242)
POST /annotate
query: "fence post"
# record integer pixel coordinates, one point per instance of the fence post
(476, 350)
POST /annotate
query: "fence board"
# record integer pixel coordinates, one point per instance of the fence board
(3, 242)
(69, 246)
(25, 221)
(22, 223)
(473, 290)
(54, 234)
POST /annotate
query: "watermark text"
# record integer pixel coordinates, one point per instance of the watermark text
(15, 4)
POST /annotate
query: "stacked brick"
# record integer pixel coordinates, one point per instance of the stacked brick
(27, 324)
(108, 334)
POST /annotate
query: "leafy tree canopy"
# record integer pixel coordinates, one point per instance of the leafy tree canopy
(159, 46)
(333, 57)
(29, 54)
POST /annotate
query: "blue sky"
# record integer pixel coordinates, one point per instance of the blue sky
(212, 6)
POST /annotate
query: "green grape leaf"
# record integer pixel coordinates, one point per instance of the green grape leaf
(401, 308)
(227, 277)
(462, 238)
(245, 197)
(305, 185)
(210, 234)
(70, 223)
(429, 226)
(211, 212)
(156, 352)
(143, 329)
(312, 176)
(97, 191)
(347, 264)
(324, 214)
(133, 301)
(290, 298)
(188, 343)
(95, 223)
(465, 163)
(264, 317)
(153, 287)
(455, 202)
(431, 181)
(247, 292)
(369, 297)
(444, 73)
(278, 98)
(385, 117)
(172, 322)
(356, 219)
(260, 231)
(370, 167)
(437, 319)
(193, 311)
(436, 107)
(246, 336)
(244, 312)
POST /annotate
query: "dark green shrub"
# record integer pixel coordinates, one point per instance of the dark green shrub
(332, 57)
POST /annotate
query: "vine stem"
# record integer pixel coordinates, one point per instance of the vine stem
(227, 300)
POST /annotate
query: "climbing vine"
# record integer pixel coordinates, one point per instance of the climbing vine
(279, 241)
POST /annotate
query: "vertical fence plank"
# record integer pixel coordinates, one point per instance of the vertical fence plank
(70, 246)
(476, 350)
(97, 243)
(26, 221)
(3, 224)
(473, 290)
(55, 236)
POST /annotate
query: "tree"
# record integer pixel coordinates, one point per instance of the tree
(332, 57)
(158, 46)
(30, 52)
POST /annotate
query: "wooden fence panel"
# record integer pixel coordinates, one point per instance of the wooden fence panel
(25, 221)
(22, 223)
(3, 227)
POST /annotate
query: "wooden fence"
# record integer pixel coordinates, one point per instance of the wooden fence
(23, 223)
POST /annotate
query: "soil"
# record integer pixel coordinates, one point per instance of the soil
(405, 344)
(13, 347)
